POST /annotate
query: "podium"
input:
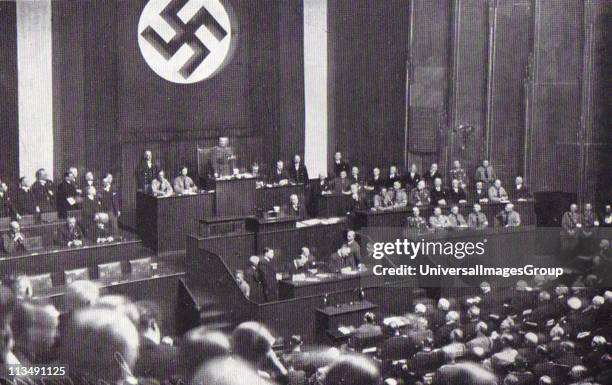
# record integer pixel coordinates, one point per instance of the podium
(235, 197)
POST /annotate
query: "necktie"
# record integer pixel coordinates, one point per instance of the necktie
(477, 220)
(497, 192)
(486, 173)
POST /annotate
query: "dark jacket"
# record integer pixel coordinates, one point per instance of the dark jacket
(70, 235)
(65, 190)
(300, 175)
(267, 274)
(44, 196)
(24, 202)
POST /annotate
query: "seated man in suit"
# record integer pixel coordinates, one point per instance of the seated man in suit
(412, 178)
(303, 262)
(520, 192)
(222, 158)
(268, 275)
(71, 234)
(458, 173)
(393, 177)
(25, 204)
(43, 191)
(479, 195)
(367, 334)
(477, 220)
(376, 182)
(438, 221)
(280, 176)
(420, 195)
(146, 171)
(160, 186)
(67, 196)
(298, 171)
(341, 259)
(508, 217)
(14, 241)
(438, 194)
(384, 198)
(296, 208)
(485, 173)
(456, 220)
(258, 175)
(358, 199)
(497, 193)
(400, 198)
(6, 204)
(431, 175)
(183, 184)
(340, 165)
(355, 177)
(416, 221)
(457, 194)
(342, 184)
(102, 232)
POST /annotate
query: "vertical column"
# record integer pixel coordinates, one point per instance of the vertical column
(315, 85)
(34, 86)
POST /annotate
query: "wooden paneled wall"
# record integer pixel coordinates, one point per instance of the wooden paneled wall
(9, 134)
(515, 71)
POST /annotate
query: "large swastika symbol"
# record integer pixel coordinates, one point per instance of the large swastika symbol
(184, 41)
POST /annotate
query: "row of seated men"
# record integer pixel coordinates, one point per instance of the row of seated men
(72, 234)
(45, 196)
(259, 281)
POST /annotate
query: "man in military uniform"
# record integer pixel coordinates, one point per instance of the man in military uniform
(438, 221)
(383, 199)
(508, 217)
(485, 173)
(571, 226)
(497, 193)
(458, 173)
(477, 220)
(416, 221)
(455, 219)
(222, 158)
(590, 223)
(420, 195)
(400, 198)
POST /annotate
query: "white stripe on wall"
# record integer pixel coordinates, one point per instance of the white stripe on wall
(315, 85)
(35, 93)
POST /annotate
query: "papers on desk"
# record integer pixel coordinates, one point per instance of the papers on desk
(323, 275)
(330, 221)
(298, 277)
(308, 222)
(348, 271)
(345, 330)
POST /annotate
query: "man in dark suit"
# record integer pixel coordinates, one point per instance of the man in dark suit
(252, 278)
(412, 178)
(71, 234)
(340, 164)
(109, 201)
(156, 359)
(91, 207)
(342, 184)
(146, 171)
(393, 177)
(341, 259)
(14, 241)
(376, 182)
(24, 199)
(223, 158)
(358, 199)
(485, 173)
(439, 195)
(457, 194)
(432, 174)
(367, 334)
(298, 171)
(296, 208)
(303, 262)
(43, 191)
(354, 248)
(279, 176)
(67, 195)
(520, 191)
(6, 204)
(480, 194)
(267, 274)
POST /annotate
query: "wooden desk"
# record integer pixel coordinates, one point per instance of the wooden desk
(333, 282)
(235, 197)
(59, 259)
(257, 225)
(163, 223)
(235, 249)
(330, 318)
(334, 205)
(267, 197)
(46, 230)
(397, 217)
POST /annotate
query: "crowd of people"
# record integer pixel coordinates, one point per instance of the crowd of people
(543, 333)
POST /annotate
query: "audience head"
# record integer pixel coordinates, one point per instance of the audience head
(81, 294)
(509, 207)
(35, 331)
(252, 342)
(438, 182)
(369, 318)
(91, 191)
(74, 172)
(184, 170)
(455, 183)
(497, 183)
(41, 174)
(305, 251)
(293, 198)
(343, 174)
(456, 164)
(148, 320)
(376, 172)
(202, 345)
(485, 163)
(482, 328)
(355, 171)
(479, 185)
(24, 182)
(161, 175)
(352, 370)
(434, 167)
(280, 165)
(420, 309)
(452, 317)
(443, 304)
(531, 339)
(255, 167)
(573, 207)
(253, 260)
(557, 332)
(544, 296)
(437, 211)
(455, 209)
(227, 371)
(338, 156)
(545, 380)
(268, 253)
(393, 170)
(223, 141)
(108, 179)
(485, 287)
(413, 168)
(477, 208)
(15, 227)
(421, 185)
(350, 235)
(101, 344)
(297, 159)
(89, 176)
(397, 185)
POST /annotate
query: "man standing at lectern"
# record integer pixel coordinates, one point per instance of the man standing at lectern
(223, 158)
